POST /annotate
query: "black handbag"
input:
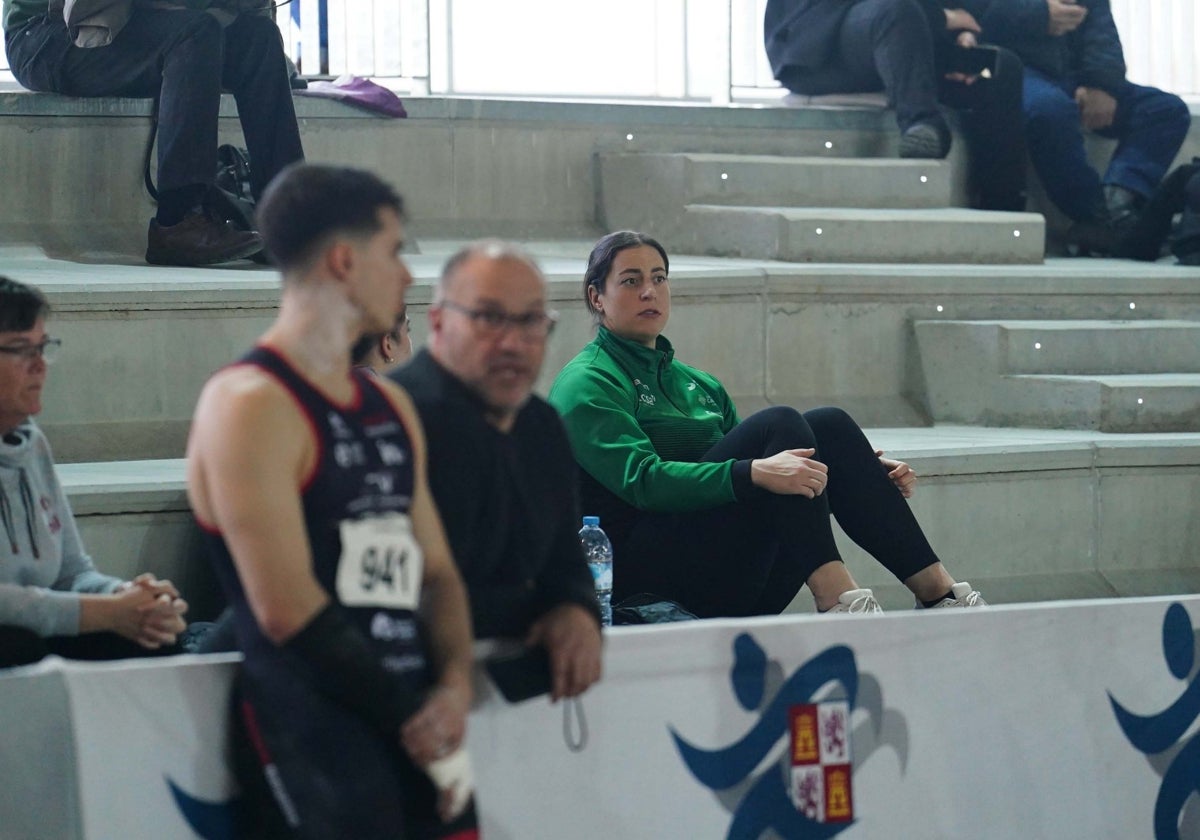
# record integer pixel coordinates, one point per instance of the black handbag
(645, 608)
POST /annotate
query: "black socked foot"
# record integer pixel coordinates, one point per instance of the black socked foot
(199, 240)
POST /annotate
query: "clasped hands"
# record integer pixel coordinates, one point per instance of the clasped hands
(794, 472)
(148, 611)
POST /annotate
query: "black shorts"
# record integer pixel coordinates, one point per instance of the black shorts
(310, 769)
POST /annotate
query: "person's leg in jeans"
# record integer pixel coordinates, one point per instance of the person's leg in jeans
(990, 110)
(1054, 136)
(883, 45)
(1150, 127)
(256, 73)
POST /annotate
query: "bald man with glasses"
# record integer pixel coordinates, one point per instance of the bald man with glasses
(500, 467)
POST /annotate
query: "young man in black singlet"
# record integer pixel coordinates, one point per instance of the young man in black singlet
(309, 478)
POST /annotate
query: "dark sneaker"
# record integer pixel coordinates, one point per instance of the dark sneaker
(199, 240)
(924, 140)
(1092, 238)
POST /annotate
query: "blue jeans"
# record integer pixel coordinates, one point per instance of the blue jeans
(1150, 126)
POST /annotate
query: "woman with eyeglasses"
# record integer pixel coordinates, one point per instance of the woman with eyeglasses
(727, 517)
(52, 598)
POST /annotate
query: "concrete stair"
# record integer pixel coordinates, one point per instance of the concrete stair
(1112, 376)
(140, 340)
(809, 209)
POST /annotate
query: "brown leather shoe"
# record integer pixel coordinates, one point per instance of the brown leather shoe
(199, 240)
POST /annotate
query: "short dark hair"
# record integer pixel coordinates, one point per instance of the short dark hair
(600, 261)
(308, 203)
(20, 306)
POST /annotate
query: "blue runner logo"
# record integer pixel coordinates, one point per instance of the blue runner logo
(1161, 735)
(807, 793)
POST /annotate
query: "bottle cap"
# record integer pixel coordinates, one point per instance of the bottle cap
(591, 521)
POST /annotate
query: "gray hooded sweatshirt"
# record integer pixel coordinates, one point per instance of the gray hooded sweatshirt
(43, 567)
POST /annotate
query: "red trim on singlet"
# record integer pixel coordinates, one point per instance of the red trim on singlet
(207, 527)
(250, 719)
(465, 834)
(355, 402)
(371, 378)
(308, 479)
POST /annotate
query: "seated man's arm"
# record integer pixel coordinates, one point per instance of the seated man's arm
(1100, 58)
(569, 628)
(1010, 23)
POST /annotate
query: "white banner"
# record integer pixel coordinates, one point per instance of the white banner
(1054, 720)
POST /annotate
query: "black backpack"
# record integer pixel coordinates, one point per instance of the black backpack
(1154, 225)
(1185, 240)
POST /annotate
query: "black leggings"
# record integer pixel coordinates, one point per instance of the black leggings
(752, 556)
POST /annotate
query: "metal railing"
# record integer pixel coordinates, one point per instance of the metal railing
(701, 50)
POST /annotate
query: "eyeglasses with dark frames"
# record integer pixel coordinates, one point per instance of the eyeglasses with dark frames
(494, 322)
(46, 350)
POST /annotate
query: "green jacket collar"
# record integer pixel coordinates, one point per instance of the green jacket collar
(634, 356)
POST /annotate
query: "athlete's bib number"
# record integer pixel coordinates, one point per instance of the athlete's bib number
(381, 563)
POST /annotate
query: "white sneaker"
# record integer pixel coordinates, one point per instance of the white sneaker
(963, 596)
(856, 601)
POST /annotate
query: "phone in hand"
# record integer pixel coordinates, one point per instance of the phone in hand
(521, 675)
(973, 61)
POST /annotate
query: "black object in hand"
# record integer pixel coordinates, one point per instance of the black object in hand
(973, 61)
(521, 675)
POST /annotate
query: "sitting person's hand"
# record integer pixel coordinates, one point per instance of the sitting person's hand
(572, 639)
(962, 21)
(1097, 109)
(150, 619)
(791, 472)
(1064, 16)
(901, 474)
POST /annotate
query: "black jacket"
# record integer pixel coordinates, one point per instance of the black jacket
(1089, 56)
(509, 502)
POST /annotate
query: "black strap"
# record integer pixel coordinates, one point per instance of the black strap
(150, 188)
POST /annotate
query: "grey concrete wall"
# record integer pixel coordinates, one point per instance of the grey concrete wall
(135, 357)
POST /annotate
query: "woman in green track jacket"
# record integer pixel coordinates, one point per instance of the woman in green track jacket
(729, 518)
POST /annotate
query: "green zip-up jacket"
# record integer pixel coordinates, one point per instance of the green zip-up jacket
(639, 422)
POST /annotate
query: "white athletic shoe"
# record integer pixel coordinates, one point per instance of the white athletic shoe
(856, 601)
(963, 596)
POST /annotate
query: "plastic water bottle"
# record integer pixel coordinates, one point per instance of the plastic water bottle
(598, 551)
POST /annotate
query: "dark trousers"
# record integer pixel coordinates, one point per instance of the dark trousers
(752, 556)
(887, 45)
(19, 646)
(882, 45)
(990, 112)
(1150, 127)
(184, 58)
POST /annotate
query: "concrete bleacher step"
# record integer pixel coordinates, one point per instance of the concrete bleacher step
(1113, 376)
(1041, 526)
(860, 235)
(809, 209)
(681, 179)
